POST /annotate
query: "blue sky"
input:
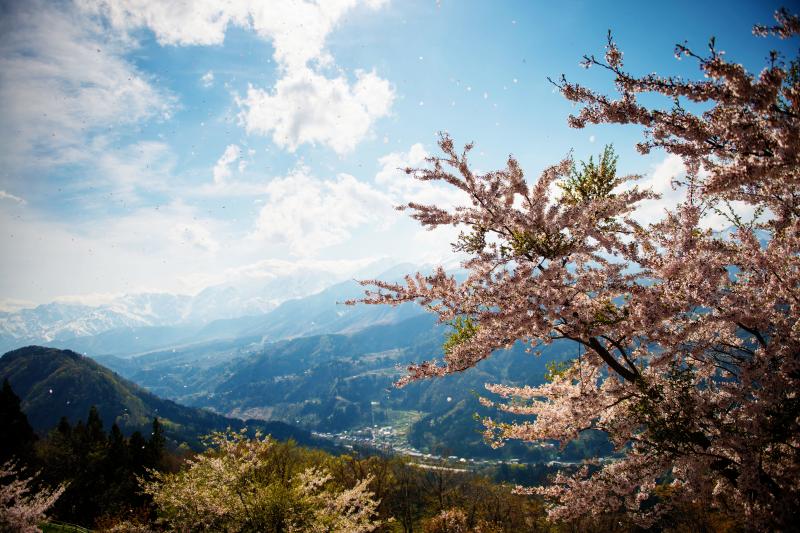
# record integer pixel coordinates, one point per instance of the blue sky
(168, 146)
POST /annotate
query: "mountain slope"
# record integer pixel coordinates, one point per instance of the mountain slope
(335, 383)
(343, 382)
(53, 383)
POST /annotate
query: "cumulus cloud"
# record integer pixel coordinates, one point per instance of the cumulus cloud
(62, 78)
(297, 28)
(308, 214)
(428, 246)
(404, 188)
(222, 184)
(305, 105)
(392, 173)
(201, 22)
(222, 170)
(662, 180)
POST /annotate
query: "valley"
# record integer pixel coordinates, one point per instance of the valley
(329, 369)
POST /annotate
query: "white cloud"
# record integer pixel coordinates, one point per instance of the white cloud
(297, 28)
(200, 22)
(393, 164)
(661, 180)
(404, 188)
(147, 165)
(222, 184)
(308, 214)
(427, 246)
(273, 269)
(435, 246)
(117, 177)
(10, 305)
(94, 299)
(8, 196)
(222, 170)
(306, 107)
(62, 78)
(207, 79)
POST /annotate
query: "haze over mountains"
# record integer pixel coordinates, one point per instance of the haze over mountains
(139, 322)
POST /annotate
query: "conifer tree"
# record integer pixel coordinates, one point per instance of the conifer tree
(94, 427)
(155, 445)
(18, 438)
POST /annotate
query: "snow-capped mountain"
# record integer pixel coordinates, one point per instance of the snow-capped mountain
(58, 320)
(247, 296)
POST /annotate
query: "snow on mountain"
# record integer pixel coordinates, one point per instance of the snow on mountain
(253, 294)
(59, 320)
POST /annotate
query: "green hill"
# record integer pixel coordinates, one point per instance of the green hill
(53, 383)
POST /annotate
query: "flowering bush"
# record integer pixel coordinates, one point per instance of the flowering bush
(242, 484)
(22, 510)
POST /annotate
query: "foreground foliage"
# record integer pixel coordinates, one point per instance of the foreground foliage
(690, 340)
(243, 485)
(21, 507)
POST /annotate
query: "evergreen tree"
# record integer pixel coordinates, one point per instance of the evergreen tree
(94, 427)
(64, 427)
(80, 458)
(155, 446)
(18, 436)
(137, 449)
(117, 447)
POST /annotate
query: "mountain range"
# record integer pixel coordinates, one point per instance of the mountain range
(315, 363)
(135, 323)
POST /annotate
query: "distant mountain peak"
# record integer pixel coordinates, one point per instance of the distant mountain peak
(169, 318)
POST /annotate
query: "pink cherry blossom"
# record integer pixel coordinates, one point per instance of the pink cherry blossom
(690, 339)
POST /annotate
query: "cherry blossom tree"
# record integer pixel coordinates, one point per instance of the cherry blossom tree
(22, 509)
(689, 339)
(242, 484)
(456, 521)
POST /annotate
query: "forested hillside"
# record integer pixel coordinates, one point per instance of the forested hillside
(336, 383)
(60, 383)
